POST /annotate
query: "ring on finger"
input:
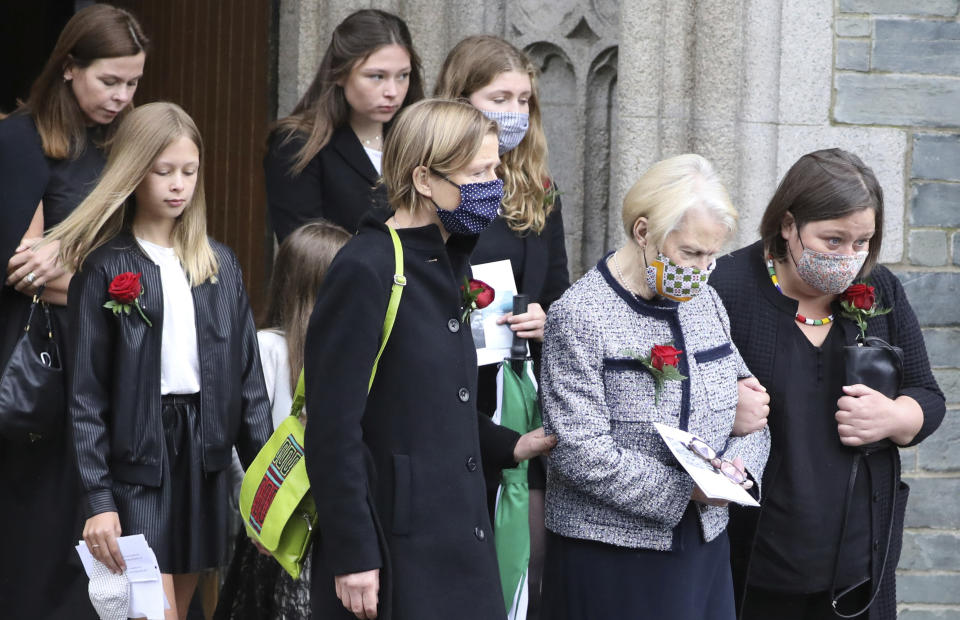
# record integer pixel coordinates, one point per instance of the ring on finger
(30, 277)
(94, 546)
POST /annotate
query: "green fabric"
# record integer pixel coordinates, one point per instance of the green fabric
(275, 501)
(520, 411)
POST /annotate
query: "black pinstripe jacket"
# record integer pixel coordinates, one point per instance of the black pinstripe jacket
(113, 372)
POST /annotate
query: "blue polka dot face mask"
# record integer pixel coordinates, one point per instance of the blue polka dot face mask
(479, 206)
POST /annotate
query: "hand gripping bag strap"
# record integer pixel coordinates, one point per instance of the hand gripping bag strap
(275, 499)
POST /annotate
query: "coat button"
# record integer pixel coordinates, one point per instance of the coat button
(453, 325)
(479, 533)
(876, 545)
(471, 464)
(464, 394)
(876, 496)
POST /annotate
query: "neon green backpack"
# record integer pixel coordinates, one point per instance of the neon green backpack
(275, 501)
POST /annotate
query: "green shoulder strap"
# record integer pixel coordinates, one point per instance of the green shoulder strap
(396, 290)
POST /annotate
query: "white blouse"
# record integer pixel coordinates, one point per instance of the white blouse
(179, 360)
(276, 373)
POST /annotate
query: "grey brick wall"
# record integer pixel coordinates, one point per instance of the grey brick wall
(897, 64)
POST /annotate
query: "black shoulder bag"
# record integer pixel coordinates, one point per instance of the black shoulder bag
(32, 395)
(879, 365)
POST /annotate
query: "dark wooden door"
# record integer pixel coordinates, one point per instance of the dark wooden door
(215, 59)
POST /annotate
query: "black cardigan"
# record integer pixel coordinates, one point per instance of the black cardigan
(755, 308)
(339, 184)
(113, 372)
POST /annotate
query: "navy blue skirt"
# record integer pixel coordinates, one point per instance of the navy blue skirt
(186, 519)
(584, 580)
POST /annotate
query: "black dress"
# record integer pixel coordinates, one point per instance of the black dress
(396, 474)
(764, 329)
(40, 572)
(339, 184)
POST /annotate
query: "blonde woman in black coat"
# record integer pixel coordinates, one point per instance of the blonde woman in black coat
(404, 529)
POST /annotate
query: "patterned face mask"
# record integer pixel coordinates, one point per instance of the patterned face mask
(675, 282)
(826, 272)
(479, 206)
(513, 127)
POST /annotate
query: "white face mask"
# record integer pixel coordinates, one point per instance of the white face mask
(675, 282)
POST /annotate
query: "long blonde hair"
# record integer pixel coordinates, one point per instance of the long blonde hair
(441, 135)
(298, 271)
(110, 207)
(528, 196)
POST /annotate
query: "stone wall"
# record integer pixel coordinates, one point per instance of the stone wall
(752, 85)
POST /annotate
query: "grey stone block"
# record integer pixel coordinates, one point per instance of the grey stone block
(928, 248)
(926, 551)
(936, 204)
(853, 27)
(933, 503)
(943, 347)
(938, 451)
(956, 249)
(933, 296)
(915, 46)
(853, 55)
(942, 589)
(937, 613)
(949, 381)
(936, 156)
(901, 7)
(888, 99)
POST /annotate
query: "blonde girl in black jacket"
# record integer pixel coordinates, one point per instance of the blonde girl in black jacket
(165, 374)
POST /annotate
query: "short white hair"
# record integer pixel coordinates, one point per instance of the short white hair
(669, 189)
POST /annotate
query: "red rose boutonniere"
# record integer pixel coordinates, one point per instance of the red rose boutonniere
(476, 295)
(125, 291)
(662, 364)
(859, 303)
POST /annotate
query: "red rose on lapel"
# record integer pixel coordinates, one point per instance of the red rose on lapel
(485, 295)
(125, 288)
(662, 355)
(860, 296)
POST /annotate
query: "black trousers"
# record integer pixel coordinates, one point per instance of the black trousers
(760, 604)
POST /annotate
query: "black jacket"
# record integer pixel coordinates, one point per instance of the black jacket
(755, 308)
(396, 475)
(339, 184)
(114, 372)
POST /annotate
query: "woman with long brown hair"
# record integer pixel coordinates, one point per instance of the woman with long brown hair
(324, 159)
(51, 152)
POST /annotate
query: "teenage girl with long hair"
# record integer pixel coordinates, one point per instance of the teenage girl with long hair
(324, 159)
(501, 81)
(51, 152)
(161, 330)
(256, 586)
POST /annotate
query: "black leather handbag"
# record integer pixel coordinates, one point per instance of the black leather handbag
(876, 364)
(32, 394)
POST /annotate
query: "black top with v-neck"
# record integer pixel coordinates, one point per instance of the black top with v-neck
(339, 184)
(798, 533)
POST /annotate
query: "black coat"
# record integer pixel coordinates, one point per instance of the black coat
(396, 475)
(339, 184)
(113, 372)
(755, 307)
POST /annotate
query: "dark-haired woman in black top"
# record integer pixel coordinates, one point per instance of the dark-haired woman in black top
(50, 157)
(821, 233)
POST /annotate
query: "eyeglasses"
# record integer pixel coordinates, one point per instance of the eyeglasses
(708, 454)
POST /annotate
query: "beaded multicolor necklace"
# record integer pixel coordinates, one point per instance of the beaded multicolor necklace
(800, 318)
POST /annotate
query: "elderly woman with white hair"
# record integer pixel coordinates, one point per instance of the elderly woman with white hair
(643, 339)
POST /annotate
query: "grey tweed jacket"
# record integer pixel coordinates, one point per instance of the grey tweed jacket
(611, 478)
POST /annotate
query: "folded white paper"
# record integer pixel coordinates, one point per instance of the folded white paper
(146, 588)
(714, 484)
